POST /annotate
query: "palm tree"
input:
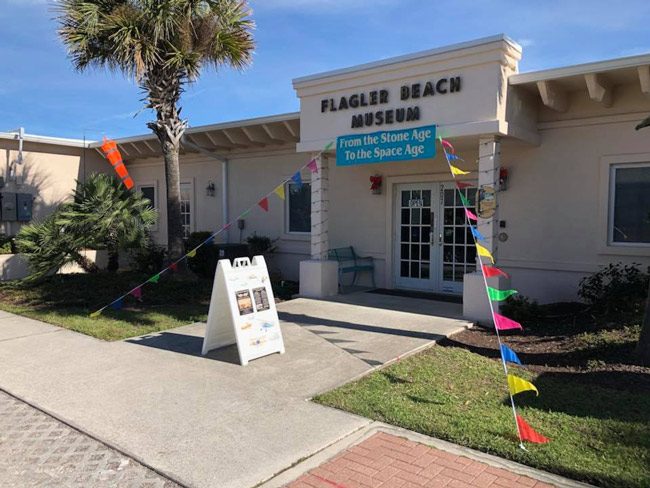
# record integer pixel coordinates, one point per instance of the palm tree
(48, 247)
(113, 216)
(163, 44)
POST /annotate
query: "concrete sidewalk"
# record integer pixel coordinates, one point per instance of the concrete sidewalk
(206, 421)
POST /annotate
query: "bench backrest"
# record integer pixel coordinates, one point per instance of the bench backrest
(343, 254)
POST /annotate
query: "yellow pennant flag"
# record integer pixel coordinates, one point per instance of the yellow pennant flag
(96, 314)
(517, 385)
(279, 191)
(192, 253)
(457, 171)
(484, 252)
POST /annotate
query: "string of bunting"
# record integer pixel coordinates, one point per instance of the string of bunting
(501, 323)
(263, 203)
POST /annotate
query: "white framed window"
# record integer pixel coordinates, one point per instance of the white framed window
(629, 204)
(298, 208)
(149, 191)
(187, 207)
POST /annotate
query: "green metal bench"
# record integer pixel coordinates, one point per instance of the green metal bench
(350, 262)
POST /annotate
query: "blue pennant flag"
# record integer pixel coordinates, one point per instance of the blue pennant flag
(209, 240)
(477, 235)
(509, 355)
(117, 304)
(451, 156)
(297, 179)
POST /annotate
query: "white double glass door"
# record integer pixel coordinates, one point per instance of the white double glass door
(433, 244)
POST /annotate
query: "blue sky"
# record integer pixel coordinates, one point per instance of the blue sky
(40, 91)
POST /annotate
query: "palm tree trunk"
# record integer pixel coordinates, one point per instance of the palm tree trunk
(174, 220)
(643, 346)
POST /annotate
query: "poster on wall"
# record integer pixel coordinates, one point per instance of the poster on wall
(486, 201)
(386, 146)
(242, 310)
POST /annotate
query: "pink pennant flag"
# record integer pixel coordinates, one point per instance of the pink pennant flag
(137, 293)
(461, 185)
(227, 226)
(447, 145)
(504, 323)
(264, 204)
(313, 166)
(470, 215)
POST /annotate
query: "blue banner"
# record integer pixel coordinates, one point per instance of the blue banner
(386, 146)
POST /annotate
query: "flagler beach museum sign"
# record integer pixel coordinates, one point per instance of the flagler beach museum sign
(379, 98)
(386, 146)
(242, 310)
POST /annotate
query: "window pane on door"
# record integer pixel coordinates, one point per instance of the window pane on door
(186, 208)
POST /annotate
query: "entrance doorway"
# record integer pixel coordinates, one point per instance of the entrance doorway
(433, 243)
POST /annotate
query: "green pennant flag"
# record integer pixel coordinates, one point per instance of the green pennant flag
(499, 295)
(329, 146)
(464, 199)
(154, 279)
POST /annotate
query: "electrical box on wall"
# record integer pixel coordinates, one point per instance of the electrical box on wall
(8, 206)
(24, 204)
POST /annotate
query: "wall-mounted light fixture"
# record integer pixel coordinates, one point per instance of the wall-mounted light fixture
(211, 189)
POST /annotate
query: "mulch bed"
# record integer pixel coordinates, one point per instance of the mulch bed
(601, 355)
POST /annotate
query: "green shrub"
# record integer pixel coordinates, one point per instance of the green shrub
(616, 290)
(7, 245)
(149, 258)
(204, 263)
(522, 309)
(260, 245)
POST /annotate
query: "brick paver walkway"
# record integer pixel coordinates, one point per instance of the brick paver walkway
(387, 461)
(38, 450)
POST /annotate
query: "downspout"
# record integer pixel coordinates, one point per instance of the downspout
(225, 214)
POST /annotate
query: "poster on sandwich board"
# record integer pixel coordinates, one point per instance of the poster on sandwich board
(242, 310)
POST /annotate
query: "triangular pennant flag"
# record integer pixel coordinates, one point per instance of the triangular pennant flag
(499, 295)
(154, 279)
(464, 199)
(462, 184)
(329, 146)
(209, 240)
(477, 235)
(173, 267)
(192, 253)
(137, 293)
(227, 226)
(245, 214)
(483, 251)
(447, 145)
(313, 166)
(491, 272)
(528, 434)
(264, 204)
(279, 191)
(470, 215)
(509, 355)
(452, 157)
(517, 385)
(297, 178)
(96, 314)
(504, 323)
(117, 304)
(457, 171)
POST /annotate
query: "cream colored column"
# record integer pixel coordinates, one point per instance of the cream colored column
(476, 306)
(320, 211)
(319, 276)
(489, 160)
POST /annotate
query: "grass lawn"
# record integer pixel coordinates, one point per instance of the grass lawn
(596, 412)
(67, 301)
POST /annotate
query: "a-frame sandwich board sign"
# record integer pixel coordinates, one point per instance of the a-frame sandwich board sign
(242, 310)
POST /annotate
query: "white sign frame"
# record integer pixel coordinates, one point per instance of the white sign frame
(242, 311)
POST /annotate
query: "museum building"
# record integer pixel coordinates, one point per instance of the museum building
(558, 173)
